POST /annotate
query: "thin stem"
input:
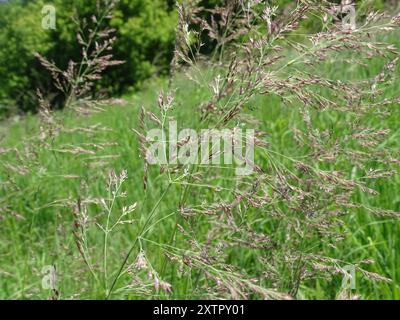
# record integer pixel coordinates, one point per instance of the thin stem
(119, 273)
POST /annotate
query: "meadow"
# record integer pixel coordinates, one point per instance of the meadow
(80, 198)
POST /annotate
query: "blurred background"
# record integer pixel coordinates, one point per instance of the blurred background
(145, 31)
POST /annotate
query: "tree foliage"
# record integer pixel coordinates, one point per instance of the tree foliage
(144, 29)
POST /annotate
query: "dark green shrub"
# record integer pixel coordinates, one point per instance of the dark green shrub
(144, 28)
(21, 34)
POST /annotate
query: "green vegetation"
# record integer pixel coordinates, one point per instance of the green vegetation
(63, 182)
(145, 30)
(38, 229)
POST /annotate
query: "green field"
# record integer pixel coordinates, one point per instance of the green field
(83, 216)
(37, 230)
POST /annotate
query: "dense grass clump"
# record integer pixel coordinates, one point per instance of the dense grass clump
(80, 193)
